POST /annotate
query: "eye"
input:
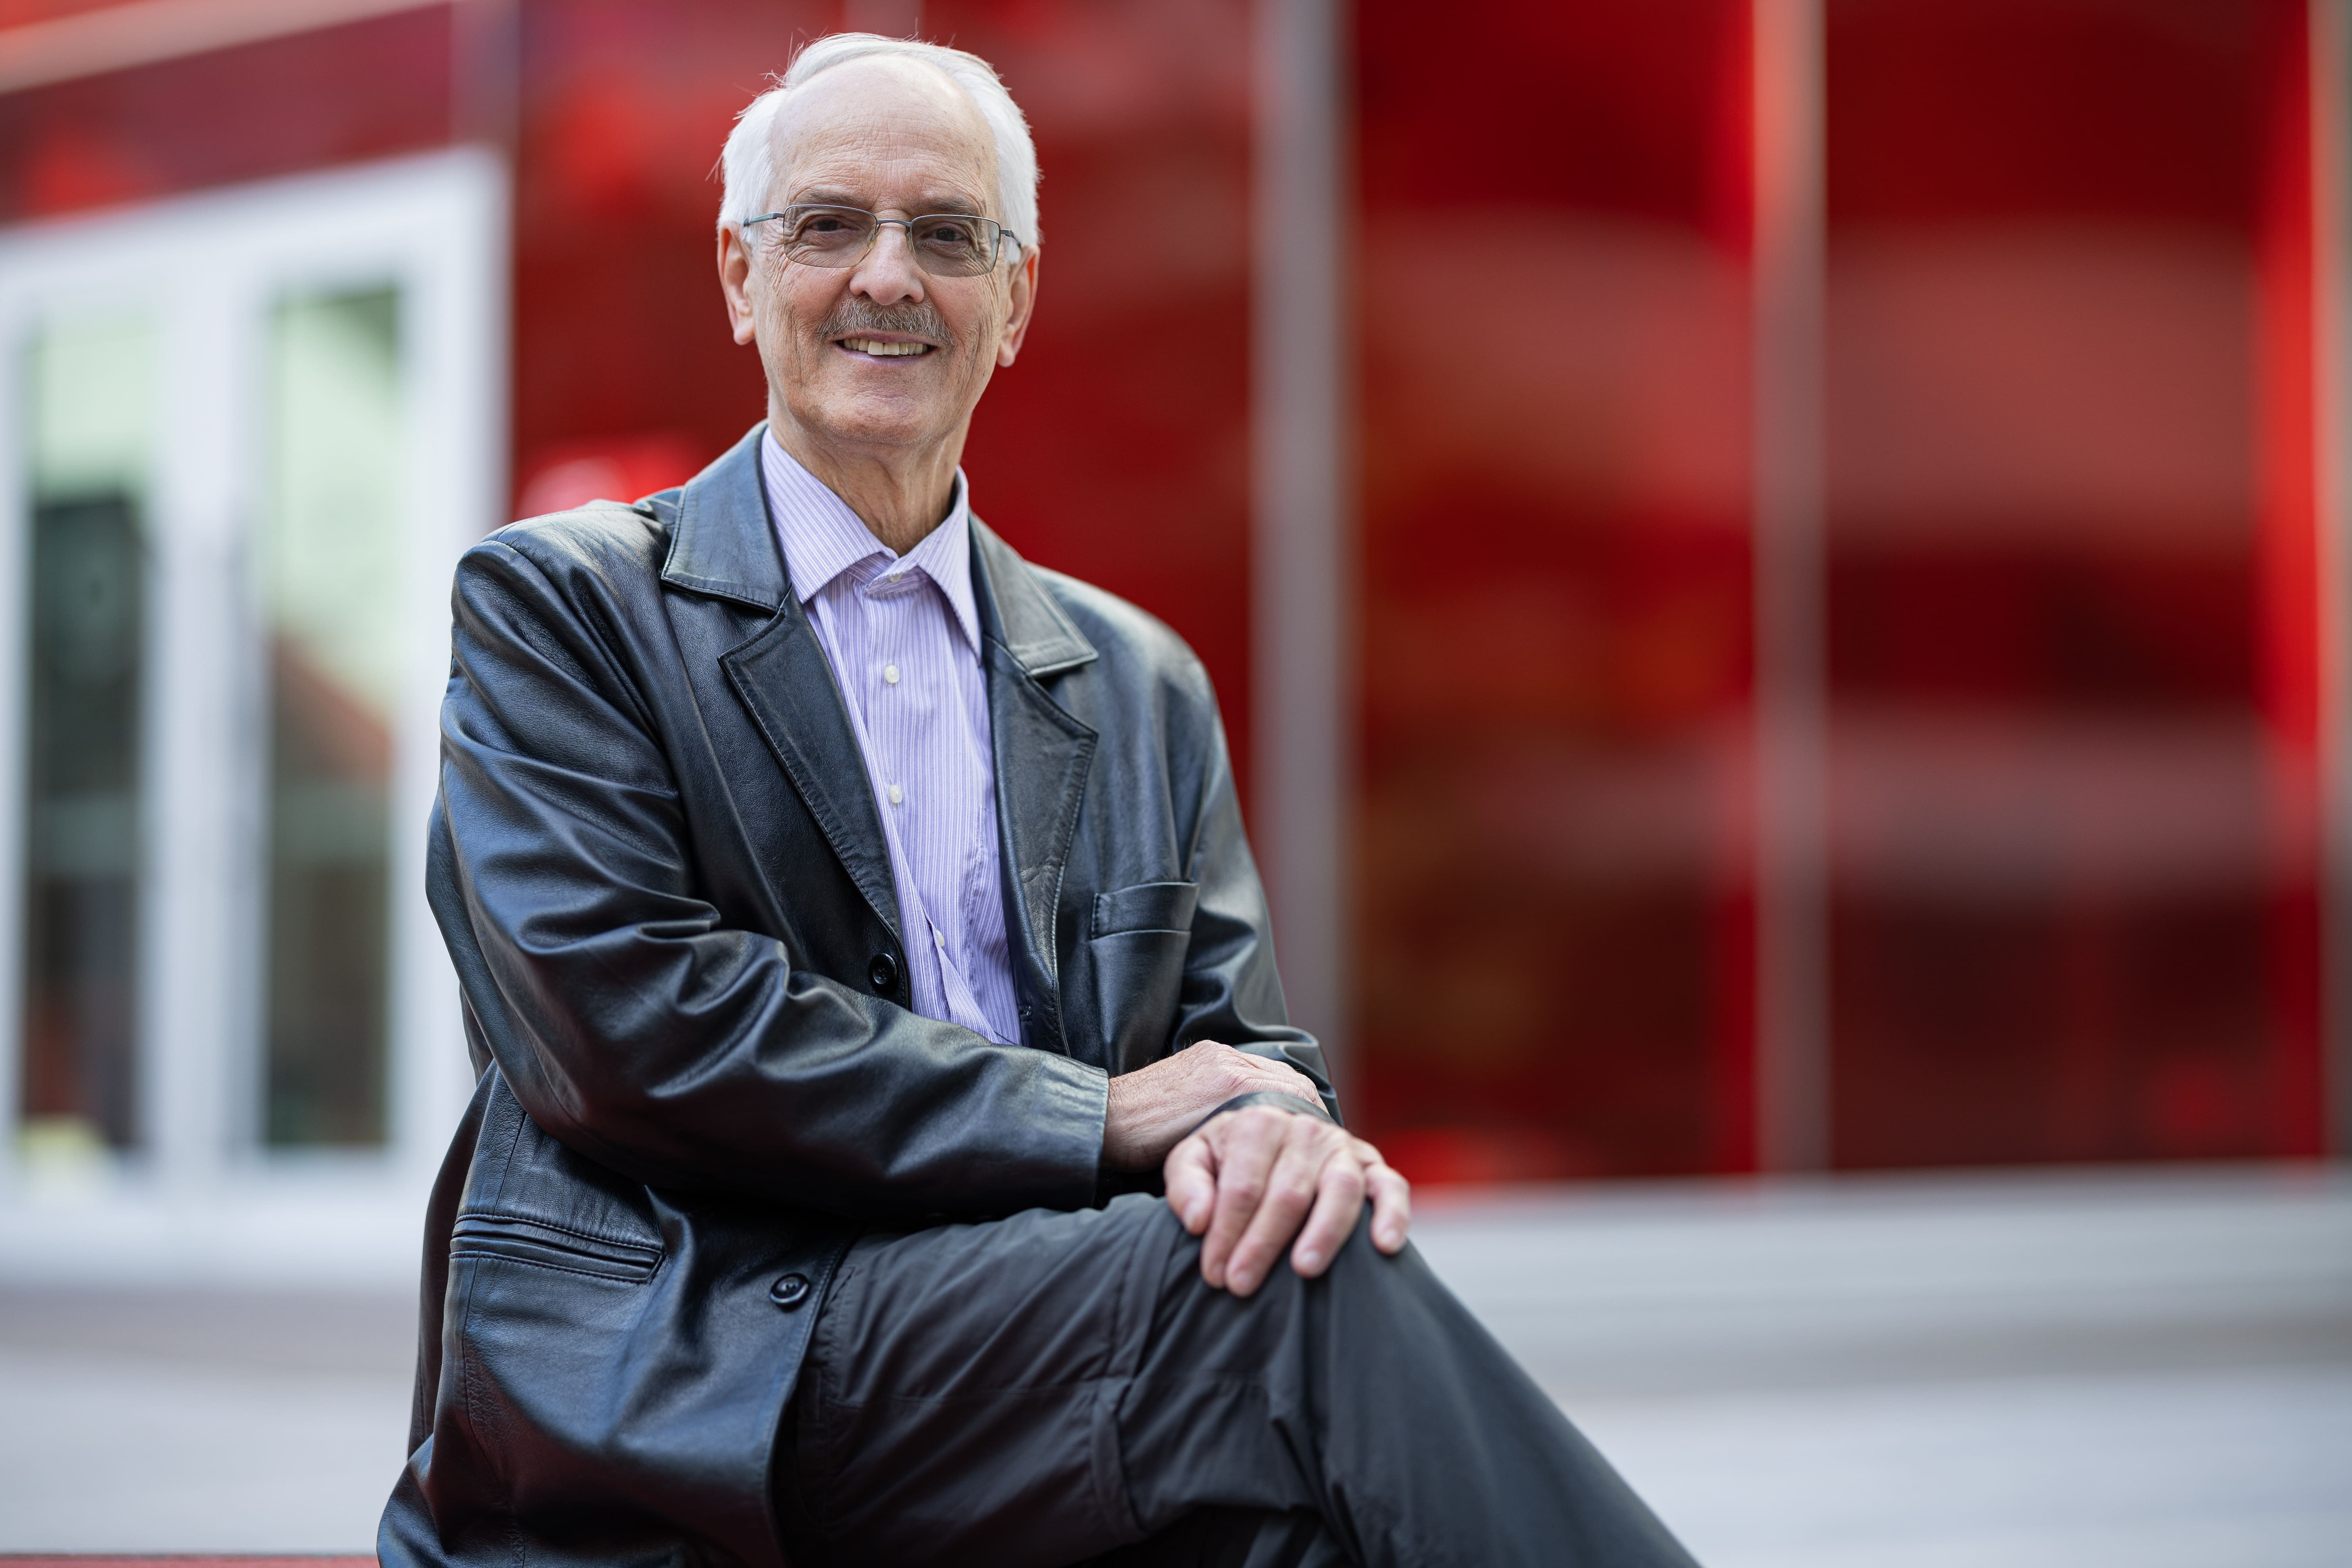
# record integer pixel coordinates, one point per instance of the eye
(949, 231)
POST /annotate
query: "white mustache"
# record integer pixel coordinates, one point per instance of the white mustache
(855, 316)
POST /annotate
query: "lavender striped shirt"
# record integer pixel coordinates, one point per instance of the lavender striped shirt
(902, 634)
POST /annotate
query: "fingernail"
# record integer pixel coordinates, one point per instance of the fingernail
(1310, 1260)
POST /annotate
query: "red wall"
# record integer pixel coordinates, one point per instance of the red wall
(2071, 610)
(2073, 636)
(281, 107)
(1552, 943)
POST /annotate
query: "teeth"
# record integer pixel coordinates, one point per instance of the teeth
(877, 346)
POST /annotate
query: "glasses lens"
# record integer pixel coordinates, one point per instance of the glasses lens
(825, 236)
(954, 246)
(946, 245)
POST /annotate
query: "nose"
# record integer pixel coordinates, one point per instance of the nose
(887, 273)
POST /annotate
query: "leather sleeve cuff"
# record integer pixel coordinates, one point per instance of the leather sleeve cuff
(1273, 1097)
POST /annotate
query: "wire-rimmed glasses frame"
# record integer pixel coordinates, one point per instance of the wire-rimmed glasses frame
(945, 245)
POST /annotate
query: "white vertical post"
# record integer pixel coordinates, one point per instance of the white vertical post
(2330, 47)
(1792, 706)
(194, 1075)
(453, 352)
(16, 637)
(1300, 559)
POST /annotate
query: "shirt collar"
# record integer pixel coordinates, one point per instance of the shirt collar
(822, 538)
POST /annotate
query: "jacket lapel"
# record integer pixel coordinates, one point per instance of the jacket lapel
(1042, 756)
(722, 544)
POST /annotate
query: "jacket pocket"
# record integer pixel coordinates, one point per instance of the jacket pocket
(552, 1246)
(1147, 906)
(1141, 937)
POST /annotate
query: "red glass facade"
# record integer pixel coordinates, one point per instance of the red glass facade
(2073, 633)
(305, 101)
(1552, 319)
(2074, 640)
(2071, 610)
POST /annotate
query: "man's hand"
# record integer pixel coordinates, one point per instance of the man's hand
(1251, 1175)
(1153, 1107)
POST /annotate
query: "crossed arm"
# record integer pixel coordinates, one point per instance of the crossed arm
(1257, 1176)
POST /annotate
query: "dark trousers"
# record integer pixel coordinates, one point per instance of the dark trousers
(1058, 1388)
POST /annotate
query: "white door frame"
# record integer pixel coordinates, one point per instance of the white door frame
(208, 269)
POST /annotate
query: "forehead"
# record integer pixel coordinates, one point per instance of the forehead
(882, 130)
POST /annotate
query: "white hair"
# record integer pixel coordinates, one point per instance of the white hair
(750, 159)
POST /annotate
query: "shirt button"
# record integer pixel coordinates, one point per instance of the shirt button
(890, 673)
(938, 941)
(896, 794)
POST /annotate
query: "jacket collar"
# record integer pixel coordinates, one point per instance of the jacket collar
(1016, 611)
(722, 543)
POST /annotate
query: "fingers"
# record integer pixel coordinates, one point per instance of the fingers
(1256, 1072)
(1291, 1189)
(1392, 1197)
(1259, 1177)
(1248, 1143)
(1338, 1201)
(1190, 1176)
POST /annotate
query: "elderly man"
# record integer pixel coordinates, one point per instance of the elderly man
(854, 922)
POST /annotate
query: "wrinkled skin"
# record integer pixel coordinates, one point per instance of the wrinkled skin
(885, 433)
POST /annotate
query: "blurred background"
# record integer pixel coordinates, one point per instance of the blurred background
(1777, 572)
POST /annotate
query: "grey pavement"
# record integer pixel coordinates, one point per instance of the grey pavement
(2143, 1369)
(2151, 1369)
(155, 1419)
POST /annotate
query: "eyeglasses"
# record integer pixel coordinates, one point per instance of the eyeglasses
(946, 245)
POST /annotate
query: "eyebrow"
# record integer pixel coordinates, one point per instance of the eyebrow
(833, 197)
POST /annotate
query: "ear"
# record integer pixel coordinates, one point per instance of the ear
(735, 283)
(1024, 301)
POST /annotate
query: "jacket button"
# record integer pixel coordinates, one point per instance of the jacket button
(789, 1291)
(882, 971)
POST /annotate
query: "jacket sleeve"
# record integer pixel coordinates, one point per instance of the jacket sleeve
(636, 1027)
(1231, 991)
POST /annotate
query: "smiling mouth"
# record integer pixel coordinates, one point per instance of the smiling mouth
(883, 348)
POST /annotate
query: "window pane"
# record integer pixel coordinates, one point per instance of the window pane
(331, 566)
(1551, 927)
(90, 398)
(2065, 924)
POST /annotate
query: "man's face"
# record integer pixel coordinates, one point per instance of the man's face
(881, 353)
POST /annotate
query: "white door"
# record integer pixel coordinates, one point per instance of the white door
(242, 437)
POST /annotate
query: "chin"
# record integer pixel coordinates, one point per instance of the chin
(882, 422)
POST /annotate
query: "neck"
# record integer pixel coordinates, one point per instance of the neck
(899, 493)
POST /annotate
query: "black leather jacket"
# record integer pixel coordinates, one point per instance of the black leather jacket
(658, 866)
